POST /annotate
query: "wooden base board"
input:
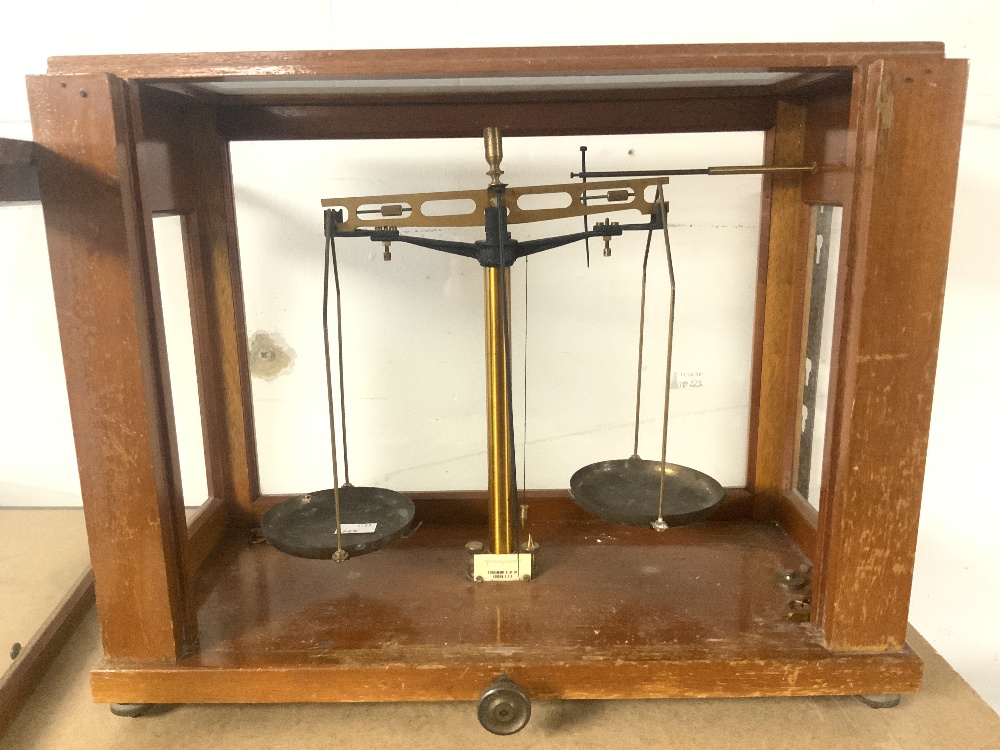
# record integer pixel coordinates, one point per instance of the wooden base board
(854, 674)
(614, 612)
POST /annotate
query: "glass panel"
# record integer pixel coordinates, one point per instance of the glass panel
(168, 238)
(819, 341)
(413, 328)
(362, 85)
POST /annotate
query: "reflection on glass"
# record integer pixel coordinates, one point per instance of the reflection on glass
(819, 339)
(169, 243)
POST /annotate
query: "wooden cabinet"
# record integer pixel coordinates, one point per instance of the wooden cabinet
(205, 616)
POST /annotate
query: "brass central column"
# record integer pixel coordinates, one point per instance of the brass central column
(498, 406)
(499, 440)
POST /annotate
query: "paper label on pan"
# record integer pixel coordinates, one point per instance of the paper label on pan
(357, 528)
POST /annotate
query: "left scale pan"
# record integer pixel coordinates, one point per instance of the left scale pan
(306, 525)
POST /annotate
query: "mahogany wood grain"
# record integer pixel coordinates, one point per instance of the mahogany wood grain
(694, 611)
(450, 120)
(212, 253)
(21, 678)
(543, 679)
(109, 322)
(797, 518)
(205, 532)
(18, 175)
(781, 332)
(827, 121)
(760, 298)
(186, 171)
(157, 357)
(614, 612)
(487, 61)
(907, 131)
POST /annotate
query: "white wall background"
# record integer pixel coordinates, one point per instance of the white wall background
(413, 328)
(955, 599)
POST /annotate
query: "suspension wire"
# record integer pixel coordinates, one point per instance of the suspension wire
(524, 427)
(340, 359)
(328, 254)
(670, 345)
(642, 327)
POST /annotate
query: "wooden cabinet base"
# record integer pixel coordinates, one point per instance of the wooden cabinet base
(614, 612)
(543, 680)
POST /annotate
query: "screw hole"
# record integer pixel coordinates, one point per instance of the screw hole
(63, 85)
(909, 80)
(83, 94)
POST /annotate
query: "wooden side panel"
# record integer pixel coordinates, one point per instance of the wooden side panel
(216, 279)
(110, 326)
(798, 518)
(186, 171)
(827, 122)
(781, 336)
(205, 531)
(907, 129)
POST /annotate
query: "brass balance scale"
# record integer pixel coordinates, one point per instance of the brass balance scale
(347, 520)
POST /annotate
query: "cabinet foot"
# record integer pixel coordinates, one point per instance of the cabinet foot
(890, 700)
(131, 710)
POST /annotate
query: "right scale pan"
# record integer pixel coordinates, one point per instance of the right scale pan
(627, 491)
(636, 492)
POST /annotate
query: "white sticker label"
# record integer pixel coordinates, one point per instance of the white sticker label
(513, 567)
(682, 380)
(357, 528)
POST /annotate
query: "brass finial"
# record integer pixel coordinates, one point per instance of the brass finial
(494, 153)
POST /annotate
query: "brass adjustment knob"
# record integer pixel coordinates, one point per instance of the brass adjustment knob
(386, 253)
(607, 237)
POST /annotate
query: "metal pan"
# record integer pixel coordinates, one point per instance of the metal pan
(627, 491)
(306, 526)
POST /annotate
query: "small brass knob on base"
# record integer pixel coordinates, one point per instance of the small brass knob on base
(504, 707)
